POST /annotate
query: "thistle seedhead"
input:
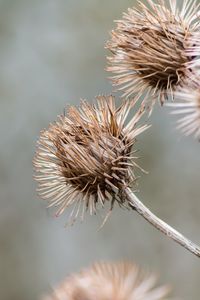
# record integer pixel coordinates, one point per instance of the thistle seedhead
(85, 158)
(110, 281)
(188, 107)
(156, 48)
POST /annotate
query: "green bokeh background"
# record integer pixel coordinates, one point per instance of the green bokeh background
(52, 54)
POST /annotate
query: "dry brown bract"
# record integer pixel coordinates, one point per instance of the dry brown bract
(188, 106)
(155, 49)
(86, 158)
(109, 281)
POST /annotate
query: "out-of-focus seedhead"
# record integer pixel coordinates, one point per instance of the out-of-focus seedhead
(110, 281)
(187, 106)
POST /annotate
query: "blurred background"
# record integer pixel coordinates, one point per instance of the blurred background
(52, 54)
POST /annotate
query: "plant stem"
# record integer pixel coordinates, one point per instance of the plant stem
(136, 204)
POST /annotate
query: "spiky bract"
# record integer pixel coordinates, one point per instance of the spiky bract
(156, 48)
(86, 158)
(187, 107)
(113, 281)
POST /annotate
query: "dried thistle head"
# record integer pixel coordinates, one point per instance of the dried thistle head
(188, 107)
(85, 158)
(156, 48)
(110, 281)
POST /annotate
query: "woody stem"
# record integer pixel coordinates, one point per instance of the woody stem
(136, 204)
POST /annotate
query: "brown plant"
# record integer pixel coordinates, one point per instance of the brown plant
(155, 49)
(85, 158)
(110, 281)
(188, 107)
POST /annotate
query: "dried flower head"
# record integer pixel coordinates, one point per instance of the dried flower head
(110, 281)
(188, 106)
(154, 49)
(85, 158)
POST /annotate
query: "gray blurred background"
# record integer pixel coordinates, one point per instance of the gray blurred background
(52, 54)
